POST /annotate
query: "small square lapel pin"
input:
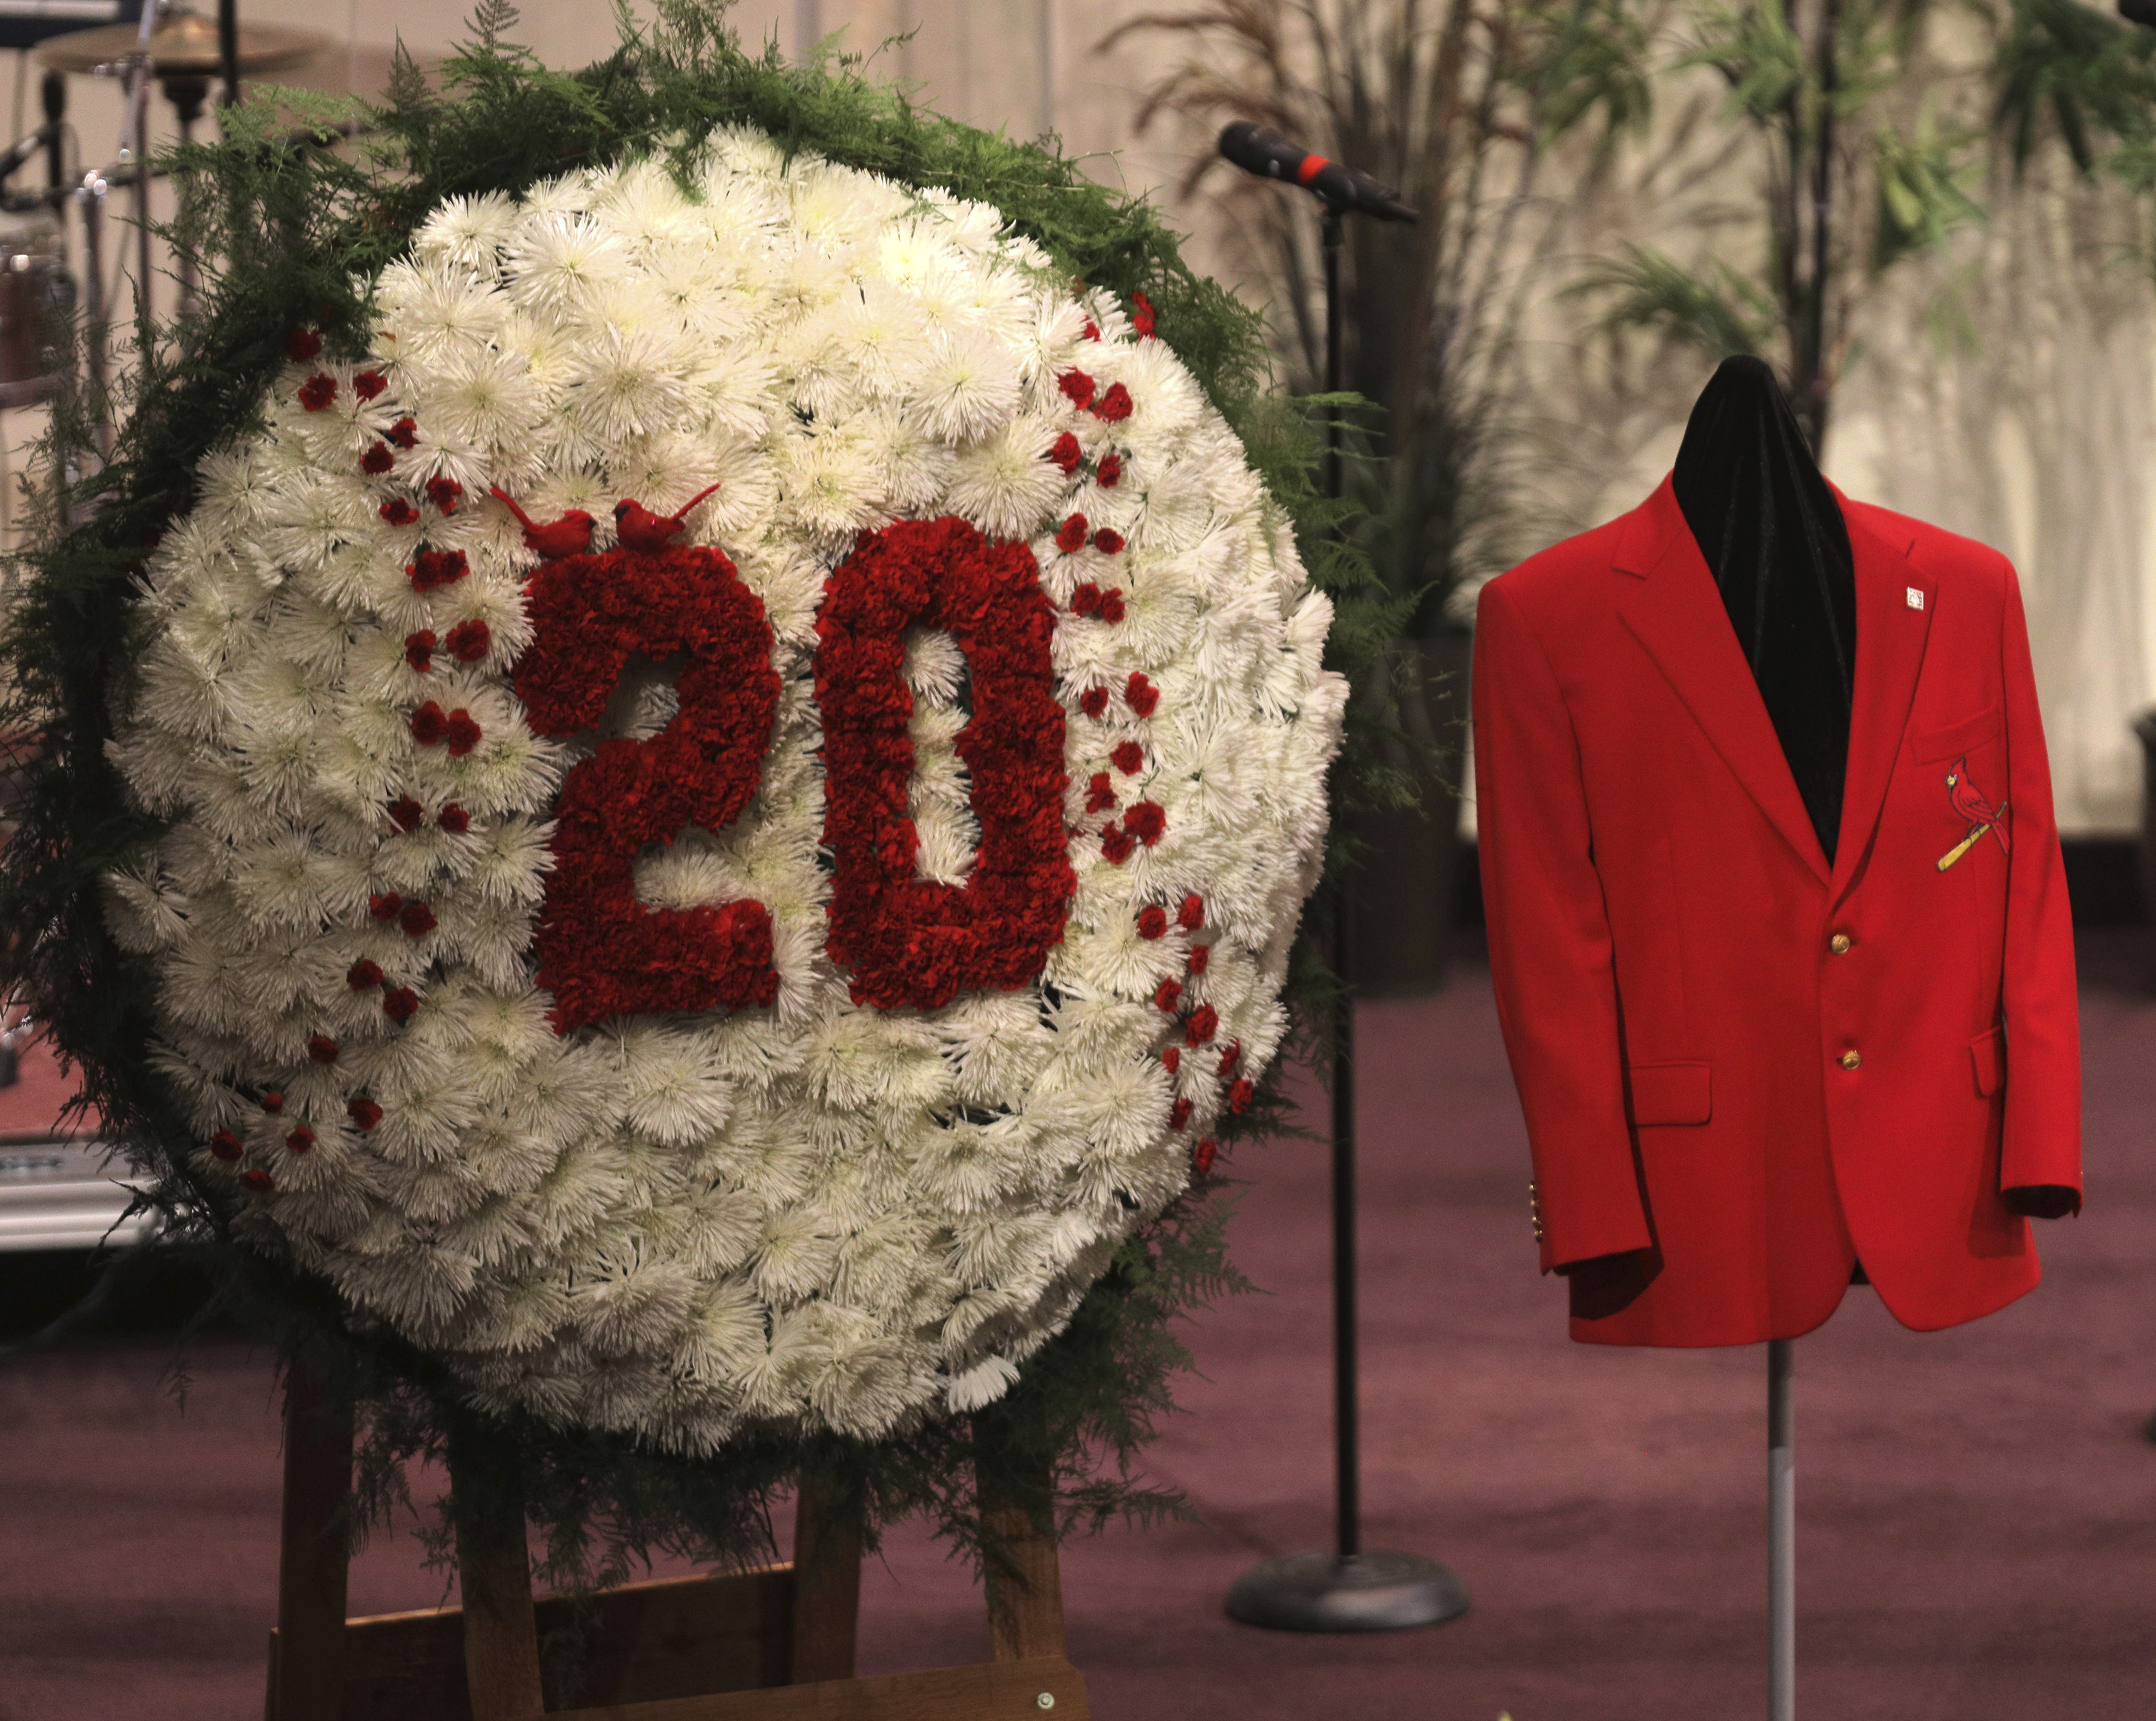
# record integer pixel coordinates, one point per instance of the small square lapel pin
(1916, 597)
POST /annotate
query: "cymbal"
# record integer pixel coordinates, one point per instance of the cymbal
(183, 43)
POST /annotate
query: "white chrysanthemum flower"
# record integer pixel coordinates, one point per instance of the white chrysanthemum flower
(816, 1213)
(467, 232)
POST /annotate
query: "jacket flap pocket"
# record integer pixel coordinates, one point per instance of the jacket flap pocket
(1988, 1052)
(1671, 1093)
(1928, 746)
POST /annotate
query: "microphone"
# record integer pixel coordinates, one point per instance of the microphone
(1262, 151)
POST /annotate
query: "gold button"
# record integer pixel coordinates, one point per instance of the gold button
(1850, 1060)
(1839, 943)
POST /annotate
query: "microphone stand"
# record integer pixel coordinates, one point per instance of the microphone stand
(1348, 1588)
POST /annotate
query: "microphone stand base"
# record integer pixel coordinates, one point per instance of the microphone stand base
(1377, 1591)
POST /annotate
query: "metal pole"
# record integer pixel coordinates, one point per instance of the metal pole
(1347, 1441)
(1348, 1588)
(1781, 1532)
(92, 194)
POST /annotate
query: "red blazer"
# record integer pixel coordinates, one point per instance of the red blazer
(1764, 1067)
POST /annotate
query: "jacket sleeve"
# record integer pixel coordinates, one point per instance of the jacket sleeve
(1550, 953)
(2043, 1129)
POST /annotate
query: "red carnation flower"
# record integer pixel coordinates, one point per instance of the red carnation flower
(364, 1112)
(1112, 605)
(405, 813)
(397, 512)
(400, 1004)
(388, 906)
(1113, 407)
(433, 568)
(273, 1103)
(1172, 1060)
(226, 1146)
(444, 493)
(428, 724)
(303, 345)
(418, 919)
(1192, 915)
(1071, 535)
(1065, 454)
(419, 653)
(404, 433)
(469, 641)
(363, 975)
(369, 383)
(1229, 1059)
(300, 1139)
(1146, 820)
(1100, 793)
(463, 732)
(378, 460)
(1110, 472)
(1201, 955)
(1076, 386)
(1207, 1152)
(1107, 543)
(317, 392)
(1142, 315)
(1140, 695)
(1205, 1022)
(1093, 702)
(1168, 994)
(1240, 1096)
(1117, 844)
(455, 820)
(322, 1049)
(257, 1180)
(1178, 1114)
(1152, 921)
(1085, 600)
(1128, 757)
(1092, 329)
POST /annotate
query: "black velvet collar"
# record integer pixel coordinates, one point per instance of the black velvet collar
(1776, 543)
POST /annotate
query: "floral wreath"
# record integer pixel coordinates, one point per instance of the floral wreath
(738, 794)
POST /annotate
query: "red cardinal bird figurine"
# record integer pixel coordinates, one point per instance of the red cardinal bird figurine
(569, 535)
(1968, 800)
(640, 529)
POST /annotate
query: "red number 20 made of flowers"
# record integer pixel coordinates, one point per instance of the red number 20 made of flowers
(903, 940)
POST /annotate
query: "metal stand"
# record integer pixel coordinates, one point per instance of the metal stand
(1347, 1590)
(1781, 1532)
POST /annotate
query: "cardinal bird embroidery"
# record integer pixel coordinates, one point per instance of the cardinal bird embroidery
(556, 540)
(1968, 800)
(640, 529)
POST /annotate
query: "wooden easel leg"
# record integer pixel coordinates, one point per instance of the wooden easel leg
(306, 1663)
(1024, 1579)
(494, 1571)
(827, 1583)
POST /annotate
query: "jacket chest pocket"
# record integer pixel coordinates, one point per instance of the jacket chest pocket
(1930, 747)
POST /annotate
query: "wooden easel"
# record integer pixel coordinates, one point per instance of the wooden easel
(774, 1645)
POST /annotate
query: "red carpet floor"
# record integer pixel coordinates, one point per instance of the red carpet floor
(1977, 1508)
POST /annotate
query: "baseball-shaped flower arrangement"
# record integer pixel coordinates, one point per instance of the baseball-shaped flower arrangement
(736, 796)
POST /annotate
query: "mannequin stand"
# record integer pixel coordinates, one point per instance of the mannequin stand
(1781, 1532)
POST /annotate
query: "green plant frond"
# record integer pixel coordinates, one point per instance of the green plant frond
(1648, 288)
(2067, 68)
(1922, 178)
(1756, 51)
(1585, 61)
